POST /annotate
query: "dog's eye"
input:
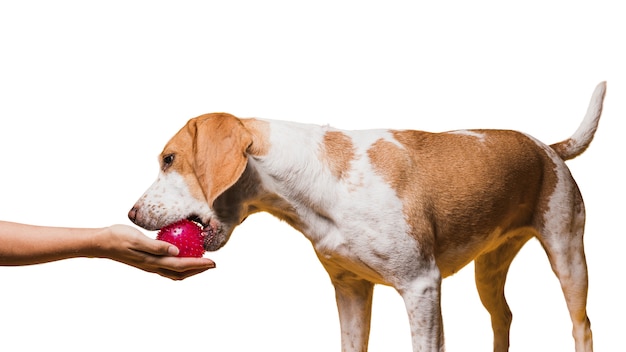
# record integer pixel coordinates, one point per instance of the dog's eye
(168, 160)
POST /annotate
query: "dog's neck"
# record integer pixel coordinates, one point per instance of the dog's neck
(296, 185)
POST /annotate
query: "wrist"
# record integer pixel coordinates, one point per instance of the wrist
(99, 242)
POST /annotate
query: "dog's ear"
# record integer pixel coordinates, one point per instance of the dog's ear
(219, 152)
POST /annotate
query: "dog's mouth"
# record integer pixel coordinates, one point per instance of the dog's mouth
(210, 229)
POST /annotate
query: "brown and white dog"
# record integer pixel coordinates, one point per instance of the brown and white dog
(402, 208)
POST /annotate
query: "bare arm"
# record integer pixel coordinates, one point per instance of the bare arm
(22, 244)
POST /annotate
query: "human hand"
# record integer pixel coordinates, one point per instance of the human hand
(130, 246)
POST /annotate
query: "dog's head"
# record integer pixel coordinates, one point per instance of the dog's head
(199, 164)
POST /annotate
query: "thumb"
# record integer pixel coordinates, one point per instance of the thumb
(158, 247)
(165, 248)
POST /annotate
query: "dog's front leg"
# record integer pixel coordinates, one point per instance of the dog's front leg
(422, 297)
(354, 302)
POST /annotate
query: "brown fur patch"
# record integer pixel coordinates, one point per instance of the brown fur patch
(460, 190)
(338, 152)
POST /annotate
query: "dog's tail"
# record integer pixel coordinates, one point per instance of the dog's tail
(580, 140)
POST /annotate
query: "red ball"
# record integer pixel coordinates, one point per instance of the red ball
(186, 235)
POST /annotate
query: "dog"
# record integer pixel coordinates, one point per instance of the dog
(403, 208)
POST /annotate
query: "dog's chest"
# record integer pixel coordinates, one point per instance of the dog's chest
(369, 249)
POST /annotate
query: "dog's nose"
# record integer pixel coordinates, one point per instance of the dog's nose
(132, 214)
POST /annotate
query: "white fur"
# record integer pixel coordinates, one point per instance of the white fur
(480, 136)
(169, 199)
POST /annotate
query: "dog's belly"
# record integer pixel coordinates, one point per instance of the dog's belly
(453, 258)
(387, 255)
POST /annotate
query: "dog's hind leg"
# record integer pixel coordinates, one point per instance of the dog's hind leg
(567, 257)
(490, 274)
(561, 232)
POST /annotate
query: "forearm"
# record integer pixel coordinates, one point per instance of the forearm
(22, 244)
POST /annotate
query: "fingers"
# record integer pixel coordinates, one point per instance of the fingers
(179, 264)
(181, 268)
(177, 268)
(165, 255)
(177, 276)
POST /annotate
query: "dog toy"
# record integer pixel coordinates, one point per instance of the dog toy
(186, 235)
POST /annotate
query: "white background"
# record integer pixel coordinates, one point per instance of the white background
(89, 94)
